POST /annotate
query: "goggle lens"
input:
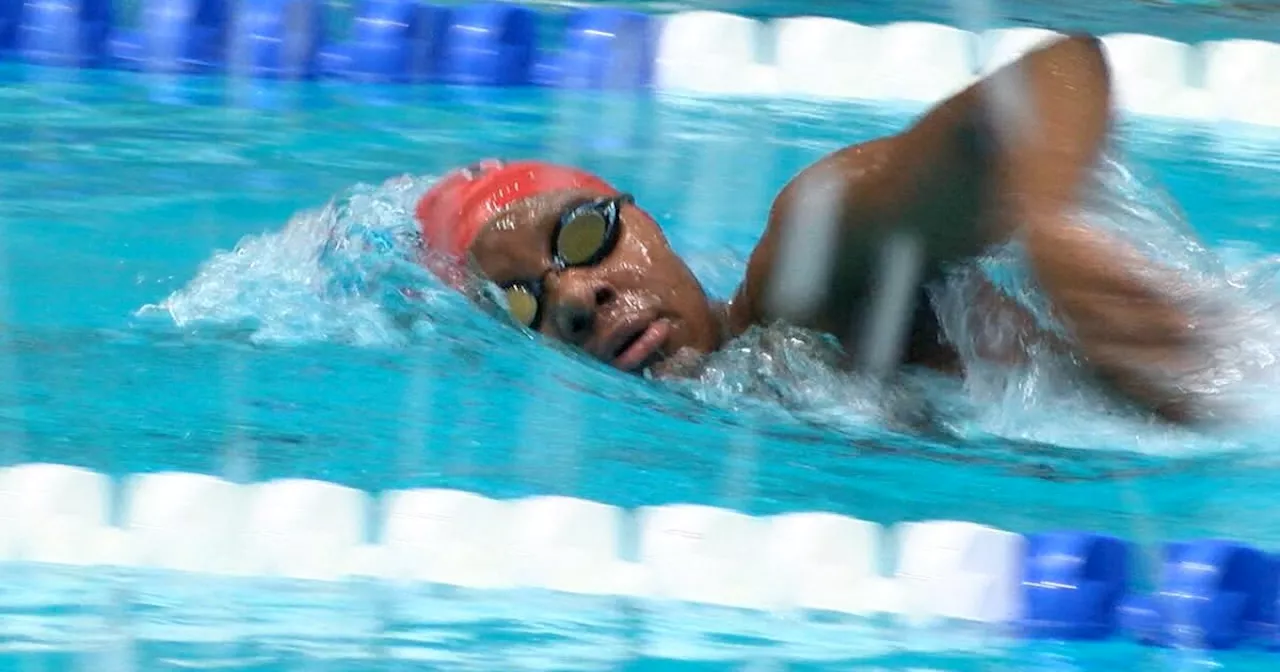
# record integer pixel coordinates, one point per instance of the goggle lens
(523, 305)
(584, 236)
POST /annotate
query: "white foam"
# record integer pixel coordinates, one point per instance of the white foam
(1003, 46)
(913, 61)
(304, 529)
(824, 561)
(762, 78)
(449, 537)
(185, 522)
(926, 62)
(566, 544)
(957, 570)
(54, 513)
(705, 555)
(827, 58)
(717, 53)
(708, 52)
(688, 553)
(1243, 80)
(1152, 75)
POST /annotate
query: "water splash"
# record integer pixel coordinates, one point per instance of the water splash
(1238, 306)
(351, 272)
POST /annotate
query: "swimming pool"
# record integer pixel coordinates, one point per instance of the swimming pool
(118, 189)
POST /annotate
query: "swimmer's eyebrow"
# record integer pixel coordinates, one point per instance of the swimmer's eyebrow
(546, 215)
(556, 208)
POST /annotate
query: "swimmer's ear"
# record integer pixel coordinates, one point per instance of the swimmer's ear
(493, 301)
(486, 295)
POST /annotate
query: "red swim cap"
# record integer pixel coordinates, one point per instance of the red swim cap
(452, 212)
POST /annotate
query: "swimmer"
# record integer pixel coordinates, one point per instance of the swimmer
(581, 262)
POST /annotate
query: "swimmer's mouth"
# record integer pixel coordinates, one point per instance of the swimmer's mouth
(640, 346)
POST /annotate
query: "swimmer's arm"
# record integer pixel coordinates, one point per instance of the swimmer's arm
(1117, 306)
(939, 183)
(960, 180)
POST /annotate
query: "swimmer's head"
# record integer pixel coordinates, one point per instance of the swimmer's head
(575, 259)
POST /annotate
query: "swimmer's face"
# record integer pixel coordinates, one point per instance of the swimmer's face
(596, 272)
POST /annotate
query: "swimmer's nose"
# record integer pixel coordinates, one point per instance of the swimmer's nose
(577, 298)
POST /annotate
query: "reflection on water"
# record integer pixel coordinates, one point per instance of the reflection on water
(169, 621)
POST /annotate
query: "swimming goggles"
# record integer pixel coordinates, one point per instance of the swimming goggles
(584, 236)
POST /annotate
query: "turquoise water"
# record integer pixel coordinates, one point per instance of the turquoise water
(135, 342)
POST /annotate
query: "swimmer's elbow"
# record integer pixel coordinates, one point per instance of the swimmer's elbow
(1090, 58)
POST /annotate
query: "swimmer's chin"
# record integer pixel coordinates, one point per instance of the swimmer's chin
(684, 363)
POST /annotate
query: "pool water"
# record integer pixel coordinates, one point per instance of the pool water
(165, 309)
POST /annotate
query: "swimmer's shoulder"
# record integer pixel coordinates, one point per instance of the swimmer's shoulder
(808, 224)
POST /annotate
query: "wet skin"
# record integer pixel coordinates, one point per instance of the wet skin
(641, 294)
(958, 182)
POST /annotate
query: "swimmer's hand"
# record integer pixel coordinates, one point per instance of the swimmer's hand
(1121, 310)
(1040, 152)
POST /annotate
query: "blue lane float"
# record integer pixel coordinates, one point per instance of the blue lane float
(10, 19)
(1212, 594)
(174, 36)
(391, 41)
(701, 52)
(67, 33)
(1072, 585)
(603, 48)
(277, 39)
(490, 44)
